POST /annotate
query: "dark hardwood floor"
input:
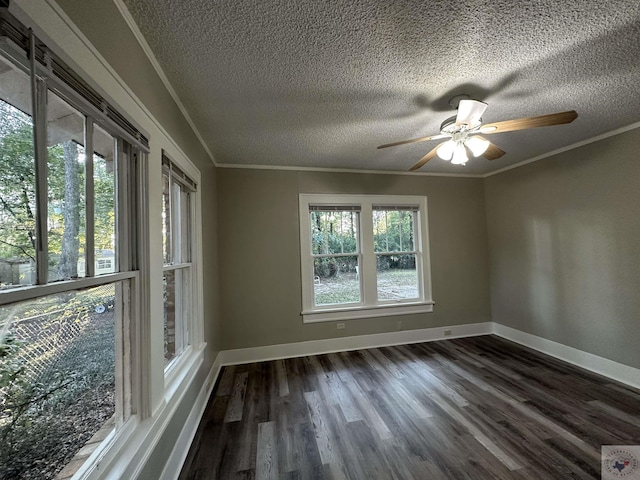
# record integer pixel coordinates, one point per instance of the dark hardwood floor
(474, 408)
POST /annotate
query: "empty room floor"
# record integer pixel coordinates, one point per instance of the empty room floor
(473, 408)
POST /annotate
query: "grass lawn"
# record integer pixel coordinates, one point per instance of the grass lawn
(345, 288)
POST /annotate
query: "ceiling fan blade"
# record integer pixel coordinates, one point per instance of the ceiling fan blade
(470, 112)
(424, 159)
(421, 139)
(492, 152)
(530, 122)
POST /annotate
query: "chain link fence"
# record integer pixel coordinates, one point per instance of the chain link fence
(57, 378)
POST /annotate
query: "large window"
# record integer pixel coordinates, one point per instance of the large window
(69, 276)
(363, 256)
(177, 235)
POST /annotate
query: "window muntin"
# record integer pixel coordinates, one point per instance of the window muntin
(391, 255)
(177, 241)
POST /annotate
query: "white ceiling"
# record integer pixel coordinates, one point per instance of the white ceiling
(322, 83)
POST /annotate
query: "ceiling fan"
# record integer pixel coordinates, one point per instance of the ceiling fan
(463, 131)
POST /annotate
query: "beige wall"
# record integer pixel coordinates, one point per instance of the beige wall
(260, 253)
(564, 237)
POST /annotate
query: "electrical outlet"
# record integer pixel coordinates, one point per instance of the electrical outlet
(447, 332)
(399, 324)
(340, 326)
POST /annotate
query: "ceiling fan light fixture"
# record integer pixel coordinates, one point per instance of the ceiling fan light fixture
(445, 151)
(477, 145)
(459, 155)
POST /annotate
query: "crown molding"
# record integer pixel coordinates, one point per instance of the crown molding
(552, 153)
(133, 26)
(346, 170)
(573, 146)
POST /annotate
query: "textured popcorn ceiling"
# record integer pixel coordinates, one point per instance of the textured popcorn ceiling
(322, 83)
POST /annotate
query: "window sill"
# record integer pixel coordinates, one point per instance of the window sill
(181, 370)
(351, 313)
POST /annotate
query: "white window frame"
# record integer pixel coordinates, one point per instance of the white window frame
(132, 390)
(189, 325)
(369, 306)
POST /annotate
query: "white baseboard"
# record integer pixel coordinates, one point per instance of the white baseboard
(594, 363)
(180, 450)
(342, 344)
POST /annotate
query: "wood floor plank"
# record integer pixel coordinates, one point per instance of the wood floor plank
(473, 408)
(322, 430)
(236, 404)
(494, 449)
(370, 359)
(619, 414)
(399, 395)
(256, 411)
(283, 383)
(267, 456)
(309, 457)
(427, 374)
(369, 413)
(387, 364)
(332, 392)
(225, 384)
(343, 398)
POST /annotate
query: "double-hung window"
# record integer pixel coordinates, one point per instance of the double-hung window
(177, 233)
(363, 256)
(69, 263)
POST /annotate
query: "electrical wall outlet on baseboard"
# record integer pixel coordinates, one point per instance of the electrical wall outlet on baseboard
(447, 332)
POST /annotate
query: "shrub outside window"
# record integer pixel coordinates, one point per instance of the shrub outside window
(363, 256)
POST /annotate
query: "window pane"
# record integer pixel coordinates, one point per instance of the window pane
(177, 227)
(166, 219)
(176, 223)
(393, 230)
(66, 220)
(104, 185)
(397, 277)
(336, 280)
(17, 186)
(334, 232)
(176, 334)
(185, 226)
(57, 379)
